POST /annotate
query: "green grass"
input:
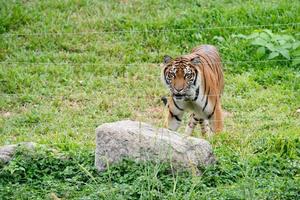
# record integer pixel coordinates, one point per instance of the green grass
(55, 89)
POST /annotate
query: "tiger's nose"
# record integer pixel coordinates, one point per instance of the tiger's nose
(179, 89)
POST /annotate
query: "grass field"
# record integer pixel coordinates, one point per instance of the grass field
(68, 66)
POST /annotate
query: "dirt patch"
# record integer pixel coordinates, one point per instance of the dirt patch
(6, 114)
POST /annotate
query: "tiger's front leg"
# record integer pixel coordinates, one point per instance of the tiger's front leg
(205, 129)
(194, 120)
(192, 124)
(175, 115)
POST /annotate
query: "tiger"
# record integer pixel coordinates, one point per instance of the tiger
(196, 83)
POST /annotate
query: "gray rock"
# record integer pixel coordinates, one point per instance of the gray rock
(141, 142)
(7, 151)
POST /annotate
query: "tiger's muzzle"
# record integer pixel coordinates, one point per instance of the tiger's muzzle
(187, 93)
(179, 94)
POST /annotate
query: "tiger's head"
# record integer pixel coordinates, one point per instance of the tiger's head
(180, 75)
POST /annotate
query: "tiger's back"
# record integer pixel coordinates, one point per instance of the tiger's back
(211, 66)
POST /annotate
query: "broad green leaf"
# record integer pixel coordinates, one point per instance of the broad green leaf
(270, 46)
(264, 36)
(285, 53)
(253, 35)
(269, 32)
(260, 52)
(259, 42)
(282, 38)
(282, 42)
(277, 47)
(296, 45)
(276, 37)
(286, 46)
(296, 61)
(288, 37)
(273, 55)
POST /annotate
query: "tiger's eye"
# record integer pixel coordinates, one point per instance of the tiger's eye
(170, 75)
(188, 75)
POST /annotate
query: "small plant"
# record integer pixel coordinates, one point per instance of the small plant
(275, 45)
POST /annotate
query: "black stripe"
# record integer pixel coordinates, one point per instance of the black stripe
(194, 117)
(197, 120)
(201, 121)
(197, 94)
(165, 74)
(175, 116)
(213, 63)
(209, 116)
(209, 64)
(177, 105)
(195, 79)
(206, 101)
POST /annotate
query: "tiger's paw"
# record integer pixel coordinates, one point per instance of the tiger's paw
(207, 132)
(188, 131)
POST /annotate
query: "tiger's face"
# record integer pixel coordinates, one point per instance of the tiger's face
(180, 75)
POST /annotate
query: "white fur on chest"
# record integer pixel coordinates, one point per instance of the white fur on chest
(202, 106)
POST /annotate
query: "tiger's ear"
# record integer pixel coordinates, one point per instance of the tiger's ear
(167, 59)
(196, 61)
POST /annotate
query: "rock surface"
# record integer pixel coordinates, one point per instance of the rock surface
(141, 141)
(7, 151)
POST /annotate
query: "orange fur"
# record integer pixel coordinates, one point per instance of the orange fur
(212, 81)
(211, 68)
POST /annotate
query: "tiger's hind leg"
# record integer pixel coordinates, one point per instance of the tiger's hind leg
(217, 119)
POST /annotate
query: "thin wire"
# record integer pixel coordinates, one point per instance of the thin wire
(133, 64)
(157, 98)
(151, 30)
